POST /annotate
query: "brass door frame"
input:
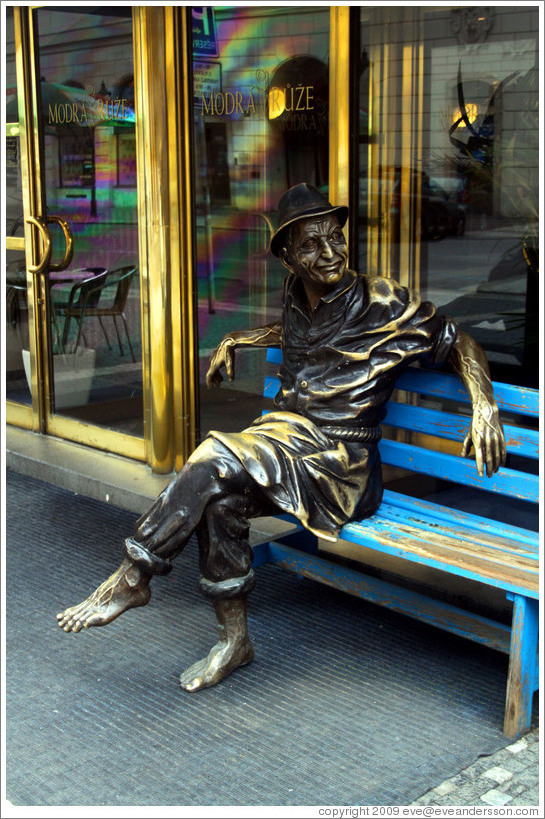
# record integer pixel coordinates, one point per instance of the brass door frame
(339, 104)
(162, 63)
(32, 417)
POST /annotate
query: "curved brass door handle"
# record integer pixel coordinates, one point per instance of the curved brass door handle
(42, 265)
(69, 252)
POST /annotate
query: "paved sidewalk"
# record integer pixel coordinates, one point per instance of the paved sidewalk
(301, 726)
(508, 778)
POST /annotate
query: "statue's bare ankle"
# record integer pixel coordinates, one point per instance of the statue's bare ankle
(135, 576)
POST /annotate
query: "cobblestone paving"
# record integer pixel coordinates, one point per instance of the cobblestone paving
(508, 778)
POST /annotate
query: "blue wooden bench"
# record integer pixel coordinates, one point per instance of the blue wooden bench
(461, 543)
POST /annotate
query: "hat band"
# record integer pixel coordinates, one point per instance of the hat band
(311, 212)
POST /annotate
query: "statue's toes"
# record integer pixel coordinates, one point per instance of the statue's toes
(76, 626)
(192, 685)
(71, 622)
(65, 619)
(191, 678)
(69, 626)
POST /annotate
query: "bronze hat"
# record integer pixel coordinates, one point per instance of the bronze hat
(300, 202)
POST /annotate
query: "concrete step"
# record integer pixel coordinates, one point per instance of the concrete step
(121, 482)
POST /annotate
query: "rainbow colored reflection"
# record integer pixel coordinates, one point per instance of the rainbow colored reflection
(246, 157)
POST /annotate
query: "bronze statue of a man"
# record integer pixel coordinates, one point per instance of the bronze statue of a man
(345, 339)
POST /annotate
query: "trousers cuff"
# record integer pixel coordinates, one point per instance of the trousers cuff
(224, 589)
(146, 560)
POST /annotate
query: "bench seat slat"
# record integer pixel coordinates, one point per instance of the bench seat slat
(454, 427)
(434, 511)
(497, 547)
(438, 551)
(454, 468)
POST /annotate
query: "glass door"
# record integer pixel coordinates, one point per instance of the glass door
(76, 350)
(261, 123)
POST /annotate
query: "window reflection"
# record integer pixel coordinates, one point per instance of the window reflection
(261, 125)
(88, 168)
(447, 197)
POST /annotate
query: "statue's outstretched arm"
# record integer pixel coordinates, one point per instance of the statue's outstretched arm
(270, 335)
(485, 431)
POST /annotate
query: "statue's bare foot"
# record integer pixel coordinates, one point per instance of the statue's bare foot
(126, 588)
(223, 658)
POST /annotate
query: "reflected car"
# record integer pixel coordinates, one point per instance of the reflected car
(443, 213)
(440, 215)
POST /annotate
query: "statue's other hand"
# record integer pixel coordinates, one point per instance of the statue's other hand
(223, 356)
(486, 434)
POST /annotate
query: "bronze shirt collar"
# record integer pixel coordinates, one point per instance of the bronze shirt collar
(293, 289)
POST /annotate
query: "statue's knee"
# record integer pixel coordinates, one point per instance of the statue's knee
(215, 462)
(180, 518)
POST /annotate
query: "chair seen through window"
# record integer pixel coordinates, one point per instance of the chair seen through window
(101, 295)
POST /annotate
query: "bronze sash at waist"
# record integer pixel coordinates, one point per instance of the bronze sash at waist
(367, 435)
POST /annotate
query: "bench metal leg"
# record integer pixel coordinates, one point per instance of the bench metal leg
(523, 677)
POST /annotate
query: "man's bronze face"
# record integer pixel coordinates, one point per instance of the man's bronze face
(317, 252)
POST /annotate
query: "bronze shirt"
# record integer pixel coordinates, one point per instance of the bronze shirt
(341, 362)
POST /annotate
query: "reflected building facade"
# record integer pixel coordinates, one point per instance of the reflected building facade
(163, 138)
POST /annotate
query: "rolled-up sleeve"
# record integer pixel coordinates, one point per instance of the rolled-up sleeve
(446, 337)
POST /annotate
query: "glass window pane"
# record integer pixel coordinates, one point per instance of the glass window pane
(448, 167)
(261, 97)
(89, 165)
(14, 196)
(17, 336)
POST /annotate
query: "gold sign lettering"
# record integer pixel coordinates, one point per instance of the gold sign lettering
(66, 113)
(225, 103)
(272, 104)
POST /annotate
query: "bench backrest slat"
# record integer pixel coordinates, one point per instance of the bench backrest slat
(271, 387)
(520, 440)
(524, 442)
(510, 398)
(274, 355)
(460, 470)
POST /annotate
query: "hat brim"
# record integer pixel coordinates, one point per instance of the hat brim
(277, 239)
